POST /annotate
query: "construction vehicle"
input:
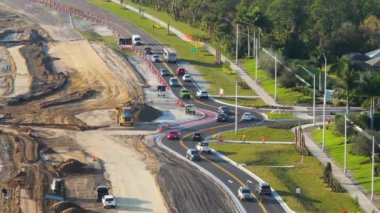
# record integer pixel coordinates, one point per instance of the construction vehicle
(125, 116)
(190, 109)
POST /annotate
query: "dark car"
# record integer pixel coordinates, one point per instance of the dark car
(148, 50)
(100, 191)
(224, 110)
(193, 154)
(222, 117)
(197, 137)
(263, 189)
(164, 72)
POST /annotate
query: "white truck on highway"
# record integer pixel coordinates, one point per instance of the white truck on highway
(136, 40)
(203, 147)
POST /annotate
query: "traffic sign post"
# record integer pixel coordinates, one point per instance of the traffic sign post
(298, 192)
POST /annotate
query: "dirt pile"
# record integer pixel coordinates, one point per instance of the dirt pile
(44, 80)
(70, 98)
(147, 113)
(71, 166)
(66, 207)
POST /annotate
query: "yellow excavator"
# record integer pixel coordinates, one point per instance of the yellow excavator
(125, 116)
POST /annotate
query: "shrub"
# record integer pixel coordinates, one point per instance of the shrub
(288, 79)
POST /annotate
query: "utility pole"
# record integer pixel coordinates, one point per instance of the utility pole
(249, 46)
(324, 107)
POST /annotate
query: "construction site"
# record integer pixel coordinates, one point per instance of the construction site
(78, 114)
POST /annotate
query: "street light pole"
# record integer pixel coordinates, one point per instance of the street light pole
(237, 43)
(236, 111)
(275, 77)
(345, 143)
(249, 46)
(313, 76)
(373, 166)
(324, 107)
(256, 58)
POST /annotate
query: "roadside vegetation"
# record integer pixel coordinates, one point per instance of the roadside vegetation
(280, 115)
(286, 96)
(203, 61)
(359, 150)
(255, 134)
(307, 174)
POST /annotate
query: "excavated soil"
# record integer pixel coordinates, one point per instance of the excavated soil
(72, 166)
(66, 207)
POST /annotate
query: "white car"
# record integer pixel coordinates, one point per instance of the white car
(186, 78)
(202, 94)
(155, 58)
(244, 193)
(203, 147)
(109, 201)
(247, 116)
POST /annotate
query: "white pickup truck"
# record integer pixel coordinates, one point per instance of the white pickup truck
(203, 147)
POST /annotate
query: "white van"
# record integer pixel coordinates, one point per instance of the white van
(170, 55)
(136, 40)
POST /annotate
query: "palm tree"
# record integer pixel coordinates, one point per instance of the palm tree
(370, 87)
(348, 80)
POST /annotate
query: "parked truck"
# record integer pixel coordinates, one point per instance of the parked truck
(125, 116)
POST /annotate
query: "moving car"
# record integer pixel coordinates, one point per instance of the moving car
(172, 135)
(193, 154)
(148, 50)
(263, 189)
(202, 94)
(100, 192)
(136, 40)
(197, 136)
(180, 71)
(222, 117)
(173, 82)
(247, 116)
(244, 193)
(224, 110)
(109, 201)
(203, 147)
(186, 78)
(184, 94)
(155, 58)
(164, 72)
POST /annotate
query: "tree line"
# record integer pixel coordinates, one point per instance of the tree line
(297, 28)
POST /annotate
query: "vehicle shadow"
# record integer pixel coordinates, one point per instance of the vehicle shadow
(132, 204)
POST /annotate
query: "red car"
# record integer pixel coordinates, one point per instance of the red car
(172, 135)
(180, 71)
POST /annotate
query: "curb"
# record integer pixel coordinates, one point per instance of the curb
(258, 179)
(237, 203)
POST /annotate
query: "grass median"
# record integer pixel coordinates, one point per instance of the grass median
(255, 134)
(285, 96)
(359, 166)
(280, 115)
(202, 61)
(261, 159)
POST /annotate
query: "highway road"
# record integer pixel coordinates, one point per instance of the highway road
(225, 171)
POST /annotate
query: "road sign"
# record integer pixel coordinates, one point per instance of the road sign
(193, 49)
(221, 92)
